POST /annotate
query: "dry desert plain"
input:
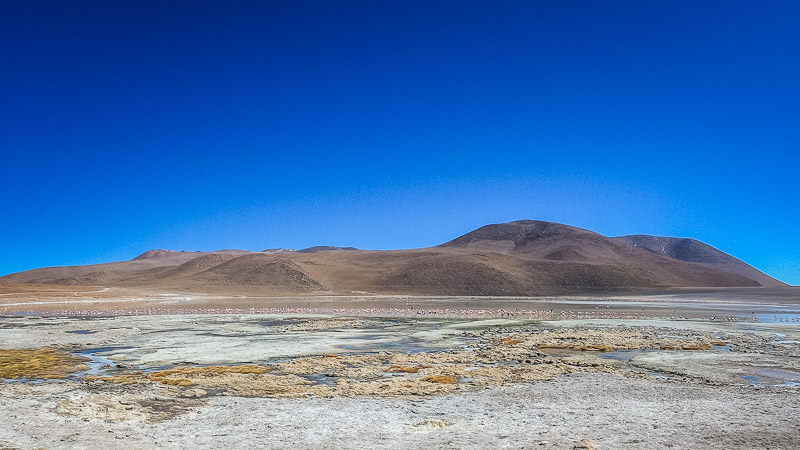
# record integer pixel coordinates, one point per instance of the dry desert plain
(92, 367)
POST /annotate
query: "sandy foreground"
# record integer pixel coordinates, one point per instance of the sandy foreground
(320, 381)
(609, 410)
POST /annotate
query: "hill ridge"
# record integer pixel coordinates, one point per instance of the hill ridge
(524, 257)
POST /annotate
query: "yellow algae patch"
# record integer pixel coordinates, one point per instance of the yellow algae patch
(685, 347)
(174, 381)
(697, 347)
(407, 369)
(39, 363)
(440, 379)
(511, 341)
(210, 370)
(182, 376)
(402, 369)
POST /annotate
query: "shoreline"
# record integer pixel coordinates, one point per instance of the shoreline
(397, 313)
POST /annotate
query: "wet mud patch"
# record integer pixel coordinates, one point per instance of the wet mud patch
(772, 377)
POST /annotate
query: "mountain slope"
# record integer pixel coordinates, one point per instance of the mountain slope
(517, 258)
(691, 250)
(533, 239)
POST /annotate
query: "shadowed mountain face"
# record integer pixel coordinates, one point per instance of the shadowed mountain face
(258, 270)
(518, 258)
(540, 240)
(681, 249)
(691, 250)
(324, 248)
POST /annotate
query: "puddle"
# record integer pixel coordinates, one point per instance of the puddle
(780, 374)
(98, 364)
(773, 377)
(321, 378)
(623, 355)
(778, 318)
(80, 332)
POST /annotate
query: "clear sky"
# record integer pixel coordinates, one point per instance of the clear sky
(126, 126)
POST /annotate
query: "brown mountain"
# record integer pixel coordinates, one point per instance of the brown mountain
(694, 251)
(531, 239)
(518, 258)
(324, 248)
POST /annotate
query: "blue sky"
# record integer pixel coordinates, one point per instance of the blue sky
(199, 125)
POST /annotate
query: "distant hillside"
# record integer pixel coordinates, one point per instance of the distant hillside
(691, 250)
(538, 240)
(518, 258)
(157, 254)
(533, 239)
(324, 248)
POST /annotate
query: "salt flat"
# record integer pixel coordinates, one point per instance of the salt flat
(316, 381)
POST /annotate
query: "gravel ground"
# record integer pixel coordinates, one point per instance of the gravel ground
(609, 410)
